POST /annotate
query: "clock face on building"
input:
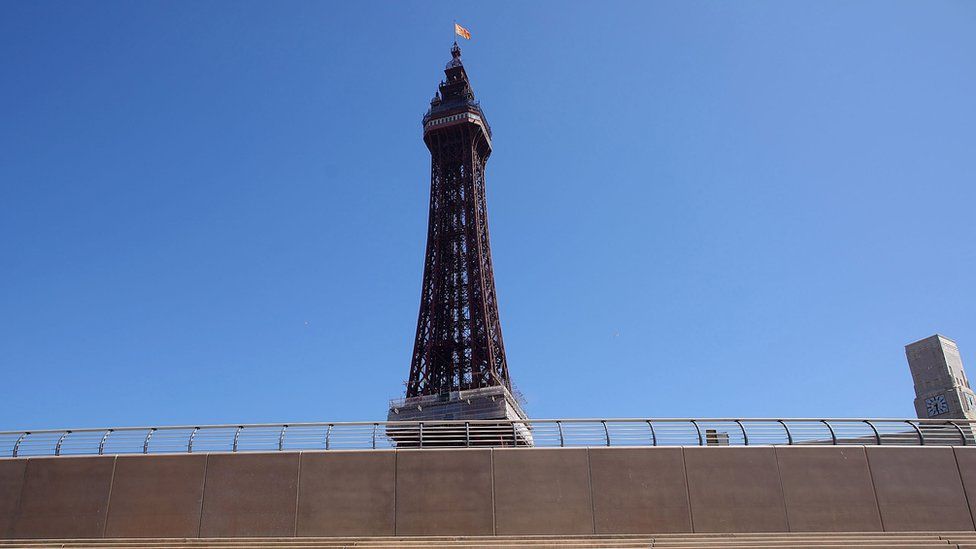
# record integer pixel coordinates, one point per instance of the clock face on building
(936, 405)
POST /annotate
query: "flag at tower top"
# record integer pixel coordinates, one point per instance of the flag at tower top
(461, 31)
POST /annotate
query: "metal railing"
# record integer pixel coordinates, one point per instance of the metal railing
(486, 433)
(456, 104)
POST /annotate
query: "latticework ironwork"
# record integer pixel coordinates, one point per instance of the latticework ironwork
(459, 337)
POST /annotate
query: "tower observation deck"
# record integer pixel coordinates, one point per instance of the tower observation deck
(458, 368)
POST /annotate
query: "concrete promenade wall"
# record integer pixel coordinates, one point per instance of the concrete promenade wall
(491, 491)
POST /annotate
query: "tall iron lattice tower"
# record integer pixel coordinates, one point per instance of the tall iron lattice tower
(458, 368)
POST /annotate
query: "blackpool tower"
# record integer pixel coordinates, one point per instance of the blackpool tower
(458, 368)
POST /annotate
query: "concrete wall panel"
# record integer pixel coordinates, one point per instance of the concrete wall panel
(443, 492)
(735, 490)
(542, 491)
(157, 496)
(828, 489)
(250, 495)
(347, 494)
(481, 491)
(919, 489)
(11, 481)
(64, 497)
(639, 490)
(966, 459)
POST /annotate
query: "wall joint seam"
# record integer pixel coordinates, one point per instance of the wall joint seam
(203, 494)
(965, 492)
(108, 500)
(9, 534)
(491, 471)
(691, 512)
(589, 479)
(782, 489)
(298, 490)
(874, 488)
(396, 467)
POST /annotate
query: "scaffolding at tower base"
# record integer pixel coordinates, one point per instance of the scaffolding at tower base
(438, 414)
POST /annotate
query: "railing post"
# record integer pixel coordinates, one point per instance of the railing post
(57, 447)
(606, 431)
(420, 439)
(962, 435)
(467, 434)
(189, 443)
(921, 437)
(653, 434)
(145, 444)
(562, 439)
(19, 440)
(514, 434)
(701, 442)
(101, 443)
(877, 435)
(237, 436)
(328, 435)
(833, 436)
(375, 426)
(745, 436)
(789, 435)
(281, 438)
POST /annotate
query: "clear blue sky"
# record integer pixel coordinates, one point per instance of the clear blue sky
(216, 211)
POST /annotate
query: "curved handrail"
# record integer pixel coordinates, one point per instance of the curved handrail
(101, 443)
(698, 430)
(921, 437)
(57, 448)
(962, 435)
(833, 435)
(569, 432)
(789, 435)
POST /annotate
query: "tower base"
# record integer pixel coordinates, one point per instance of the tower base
(479, 406)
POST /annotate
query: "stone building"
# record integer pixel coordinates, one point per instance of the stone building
(942, 390)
